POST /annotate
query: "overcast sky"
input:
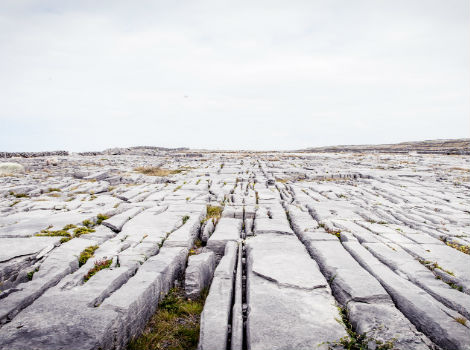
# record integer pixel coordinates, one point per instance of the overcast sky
(89, 75)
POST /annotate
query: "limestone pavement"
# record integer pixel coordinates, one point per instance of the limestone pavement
(305, 251)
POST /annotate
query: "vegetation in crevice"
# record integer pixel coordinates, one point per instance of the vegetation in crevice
(175, 325)
(213, 212)
(432, 265)
(99, 265)
(64, 232)
(156, 171)
(100, 218)
(53, 189)
(30, 274)
(19, 195)
(356, 341)
(461, 248)
(86, 254)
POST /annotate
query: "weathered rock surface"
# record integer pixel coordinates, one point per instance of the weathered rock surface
(199, 273)
(379, 242)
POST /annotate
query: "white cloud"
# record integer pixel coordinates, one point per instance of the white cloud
(272, 75)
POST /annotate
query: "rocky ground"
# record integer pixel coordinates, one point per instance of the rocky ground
(301, 251)
(452, 146)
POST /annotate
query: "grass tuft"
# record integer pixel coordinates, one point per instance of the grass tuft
(100, 218)
(214, 212)
(356, 341)
(86, 254)
(53, 189)
(461, 320)
(99, 265)
(31, 273)
(175, 325)
(82, 231)
(156, 171)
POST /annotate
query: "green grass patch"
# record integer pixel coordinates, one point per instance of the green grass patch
(57, 233)
(88, 223)
(100, 218)
(356, 341)
(53, 189)
(99, 265)
(462, 248)
(30, 274)
(175, 325)
(19, 195)
(214, 212)
(82, 231)
(64, 233)
(86, 254)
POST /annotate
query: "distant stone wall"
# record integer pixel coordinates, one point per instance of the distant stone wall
(32, 154)
(90, 153)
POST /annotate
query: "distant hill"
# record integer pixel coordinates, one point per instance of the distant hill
(452, 146)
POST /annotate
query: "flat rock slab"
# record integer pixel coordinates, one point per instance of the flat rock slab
(216, 314)
(199, 273)
(227, 229)
(429, 316)
(117, 222)
(282, 279)
(380, 235)
(16, 247)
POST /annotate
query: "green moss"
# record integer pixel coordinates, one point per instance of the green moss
(185, 218)
(462, 248)
(31, 273)
(434, 265)
(214, 212)
(99, 265)
(197, 243)
(82, 231)
(356, 341)
(100, 218)
(455, 286)
(58, 233)
(174, 326)
(86, 254)
(88, 223)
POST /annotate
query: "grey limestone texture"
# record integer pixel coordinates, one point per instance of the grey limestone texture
(306, 245)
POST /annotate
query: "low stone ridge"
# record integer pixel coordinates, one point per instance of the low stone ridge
(454, 146)
(293, 250)
(32, 154)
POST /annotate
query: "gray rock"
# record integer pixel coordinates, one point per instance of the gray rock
(428, 315)
(228, 229)
(8, 168)
(116, 222)
(199, 273)
(283, 280)
(215, 316)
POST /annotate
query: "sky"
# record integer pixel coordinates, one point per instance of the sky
(262, 75)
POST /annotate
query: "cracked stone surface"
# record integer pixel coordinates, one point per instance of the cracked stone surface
(305, 246)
